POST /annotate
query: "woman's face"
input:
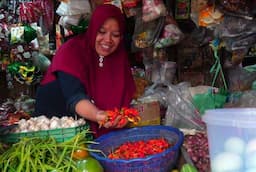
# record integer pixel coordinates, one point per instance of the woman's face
(108, 37)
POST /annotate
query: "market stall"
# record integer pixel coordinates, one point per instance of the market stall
(193, 63)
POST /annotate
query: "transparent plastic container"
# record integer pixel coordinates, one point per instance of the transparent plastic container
(232, 139)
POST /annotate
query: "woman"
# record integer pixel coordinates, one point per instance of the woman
(90, 73)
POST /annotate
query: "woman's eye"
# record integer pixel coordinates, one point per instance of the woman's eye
(116, 35)
(101, 31)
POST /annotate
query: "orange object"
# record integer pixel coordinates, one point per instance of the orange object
(80, 154)
(127, 114)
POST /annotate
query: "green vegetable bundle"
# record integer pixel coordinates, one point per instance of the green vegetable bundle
(43, 154)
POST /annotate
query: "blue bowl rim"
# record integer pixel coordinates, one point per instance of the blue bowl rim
(158, 127)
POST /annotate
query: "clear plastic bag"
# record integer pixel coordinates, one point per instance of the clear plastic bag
(74, 7)
(239, 79)
(171, 33)
(146, 33)
(180, 113)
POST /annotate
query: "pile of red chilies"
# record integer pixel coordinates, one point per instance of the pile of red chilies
(127, 114)
(140, 149)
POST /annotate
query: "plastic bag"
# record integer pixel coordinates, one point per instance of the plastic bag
(170, 35)
(214, 100)
(237, 8)
(239, 79)
(243, 99)
(196, 7)
(233, 27)
(181, 113)
(248, 99)
(241, 42)
(146, 33)
(209, 17)
(68, 21)
(74, 7)
(152, 9)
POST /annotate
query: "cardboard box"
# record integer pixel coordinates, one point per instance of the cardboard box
(149, 113)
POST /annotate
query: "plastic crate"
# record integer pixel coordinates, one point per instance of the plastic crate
(162, 162)
(60, 134)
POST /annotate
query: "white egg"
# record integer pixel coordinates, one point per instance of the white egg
(234, 145)
(250, 160)
(227, 162)
(251, 146)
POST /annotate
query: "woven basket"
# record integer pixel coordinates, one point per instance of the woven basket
(162, 162)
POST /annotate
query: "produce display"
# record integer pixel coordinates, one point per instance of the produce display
(44, 123)
(9, 114)
(62, 129)
(89, 164)
(196, 145)
(140, 149)
(46, 154)
(188, 168)
(127, 114)
(139, 142)
(236, 154)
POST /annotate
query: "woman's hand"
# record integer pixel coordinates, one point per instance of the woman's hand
(119, 122)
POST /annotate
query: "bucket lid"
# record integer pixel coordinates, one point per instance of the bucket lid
(235, 117)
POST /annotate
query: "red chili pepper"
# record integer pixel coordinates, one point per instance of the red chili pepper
(128, 114)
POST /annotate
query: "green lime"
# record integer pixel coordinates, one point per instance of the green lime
(89, 164)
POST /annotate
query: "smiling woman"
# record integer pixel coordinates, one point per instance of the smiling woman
(108, 38)
(90, 73)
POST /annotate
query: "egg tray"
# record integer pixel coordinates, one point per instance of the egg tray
(60, 134)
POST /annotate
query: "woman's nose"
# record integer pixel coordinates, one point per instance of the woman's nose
(108, 37)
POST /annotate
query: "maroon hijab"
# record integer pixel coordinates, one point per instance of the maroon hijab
(109, 86)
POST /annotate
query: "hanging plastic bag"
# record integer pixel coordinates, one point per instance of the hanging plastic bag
(74, 7)
(234, 26)
(239, 79)
(170, 35)
(238, 56)
(209, 17)
(146, 33)
(237, 8)
(196, 7)
(68, 21)
(152, 9)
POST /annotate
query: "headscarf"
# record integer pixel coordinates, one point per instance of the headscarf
(111, 86)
